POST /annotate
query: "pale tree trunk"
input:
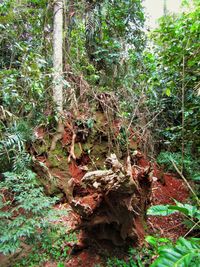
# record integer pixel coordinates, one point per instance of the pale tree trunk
(58, 67)
(165, 8)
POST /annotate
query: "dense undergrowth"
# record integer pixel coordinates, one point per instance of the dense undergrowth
(154, 81)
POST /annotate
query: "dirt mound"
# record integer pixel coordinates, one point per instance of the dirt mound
(108, 199)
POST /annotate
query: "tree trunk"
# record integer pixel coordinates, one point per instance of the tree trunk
(165, 8)
(58, 55)
(58, 67)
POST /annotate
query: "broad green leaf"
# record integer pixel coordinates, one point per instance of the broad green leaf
(165, 210)
(168, 92)
(185, 253)
(160, 210)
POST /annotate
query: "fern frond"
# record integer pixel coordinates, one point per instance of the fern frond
(92, 22)
(21, 162)
(13, 142)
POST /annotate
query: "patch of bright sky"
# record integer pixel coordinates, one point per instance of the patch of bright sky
(154, 10)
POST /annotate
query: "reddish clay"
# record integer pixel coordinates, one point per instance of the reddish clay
(143, 162)
(85, 258)
(139, 228)
(66, 137)
(171, 226)
(91, 200)
(40, 132)
(76, 172)
(173, 188)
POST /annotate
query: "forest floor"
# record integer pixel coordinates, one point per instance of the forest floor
(84, 146)
(171, 226)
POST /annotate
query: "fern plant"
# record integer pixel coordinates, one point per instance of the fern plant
(24, 208)
(13, 146)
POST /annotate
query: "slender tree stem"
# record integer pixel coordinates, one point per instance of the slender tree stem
(183, 110)
(185, 180)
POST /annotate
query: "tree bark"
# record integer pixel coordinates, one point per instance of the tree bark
(58, 55)
(165, 8)
(58, 67)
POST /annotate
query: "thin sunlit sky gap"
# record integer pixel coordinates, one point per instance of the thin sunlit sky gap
(154, 9)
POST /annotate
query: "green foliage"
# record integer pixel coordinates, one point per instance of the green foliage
(100, 49)
(104, 42)
(157, 242)
(25, 69)
(165, 210)
(183, 253)
(12, 147)
(53, 247)
(173, 68)
(114, 21)
(190, 163)
(136, 257)
(24, 210)
(191, 212)
(141, 256)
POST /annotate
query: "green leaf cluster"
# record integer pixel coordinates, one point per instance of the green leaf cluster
(183, 253)
(24, 208)
(173, 63)
(25, 67)
(165, 210)
(190, 163)
(24, 213)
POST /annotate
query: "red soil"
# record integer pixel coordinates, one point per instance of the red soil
(67, 137)
(86, 258)
(39, 132)
(171, 188)
(76, 172)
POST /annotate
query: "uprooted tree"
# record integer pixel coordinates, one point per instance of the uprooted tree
(112, 202)
(107, 186)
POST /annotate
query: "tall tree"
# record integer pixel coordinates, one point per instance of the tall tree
(164, 7)
(58, 67)
(58, 55)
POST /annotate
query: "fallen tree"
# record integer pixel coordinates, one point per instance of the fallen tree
(112, 202)
(102, 173)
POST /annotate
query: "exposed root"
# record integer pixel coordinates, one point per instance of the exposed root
(58, 135)
(71, 153)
